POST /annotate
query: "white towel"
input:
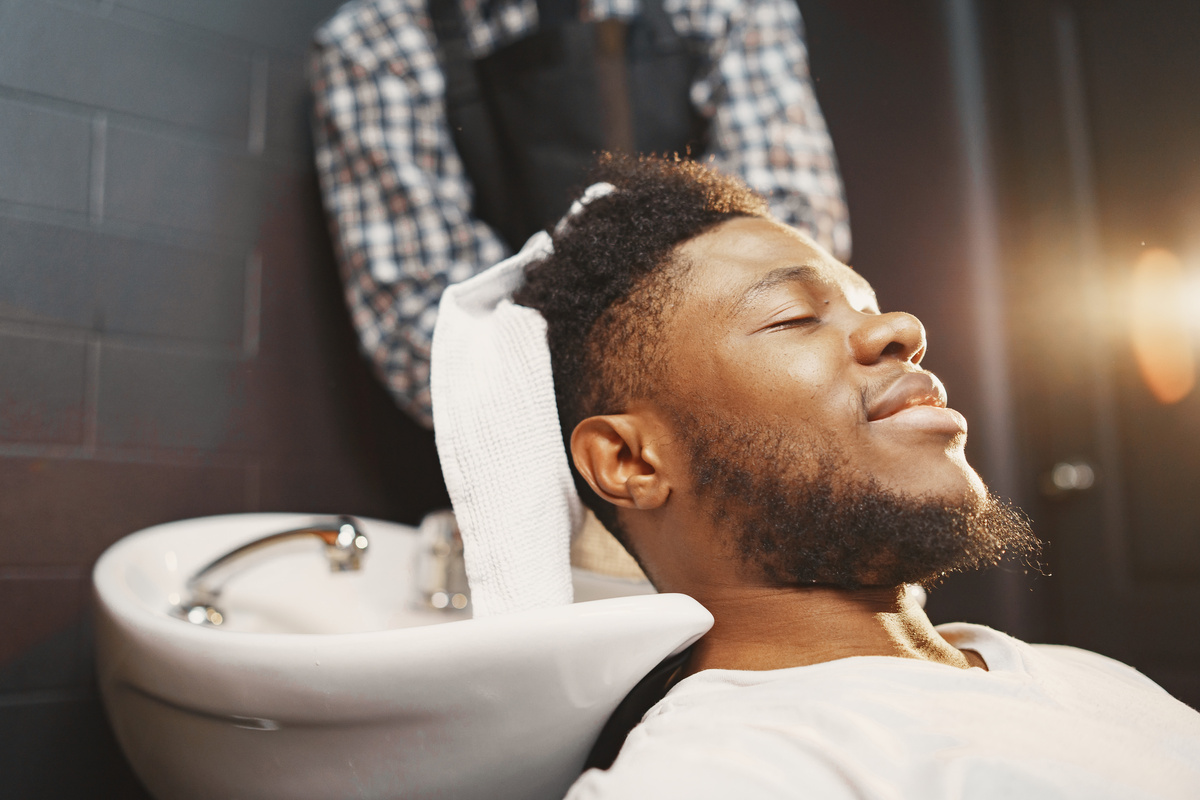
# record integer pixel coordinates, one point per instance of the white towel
(496, 424)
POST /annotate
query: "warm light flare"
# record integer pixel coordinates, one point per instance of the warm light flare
(1163, 306)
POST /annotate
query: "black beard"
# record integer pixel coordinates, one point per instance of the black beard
(799, 516)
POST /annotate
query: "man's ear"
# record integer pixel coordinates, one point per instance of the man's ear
(618, 455)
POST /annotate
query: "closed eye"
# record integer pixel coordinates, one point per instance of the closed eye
(791, 322)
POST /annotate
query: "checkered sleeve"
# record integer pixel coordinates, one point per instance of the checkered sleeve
(398, 201)
(766, 124)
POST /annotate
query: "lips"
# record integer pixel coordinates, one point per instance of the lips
(910, 389)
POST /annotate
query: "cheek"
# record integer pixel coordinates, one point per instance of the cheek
(790, 374)
(819, 389)
(813, 380)
(786, 383)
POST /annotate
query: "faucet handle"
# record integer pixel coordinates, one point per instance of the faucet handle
(441, 573)
(346, 550)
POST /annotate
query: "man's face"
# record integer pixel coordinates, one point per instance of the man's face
(814, 437)
(774, 330)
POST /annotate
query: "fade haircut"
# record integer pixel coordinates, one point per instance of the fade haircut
(613, 272)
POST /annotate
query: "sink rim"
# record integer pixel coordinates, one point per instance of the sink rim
(114, 596)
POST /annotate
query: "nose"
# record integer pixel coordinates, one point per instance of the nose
(893, 335)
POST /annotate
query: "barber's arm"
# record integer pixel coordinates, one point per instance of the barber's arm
(766, 124)
(395, 192)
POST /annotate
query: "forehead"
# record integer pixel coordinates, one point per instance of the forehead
(740, 259)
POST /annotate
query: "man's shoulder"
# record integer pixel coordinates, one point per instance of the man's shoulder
(1106, 674)
(1068, 654)
(1007, 650)
(1072, 675)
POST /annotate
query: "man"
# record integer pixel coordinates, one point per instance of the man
(742, 416)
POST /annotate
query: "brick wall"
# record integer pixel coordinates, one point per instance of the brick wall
(172, 340)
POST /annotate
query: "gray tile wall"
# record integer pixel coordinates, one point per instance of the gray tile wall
(172, 340)
(55, 173)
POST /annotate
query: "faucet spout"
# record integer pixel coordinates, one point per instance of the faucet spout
(345, 546)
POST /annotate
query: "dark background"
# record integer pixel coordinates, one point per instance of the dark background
(173, 344)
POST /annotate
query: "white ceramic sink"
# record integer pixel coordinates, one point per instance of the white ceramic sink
(332, 685)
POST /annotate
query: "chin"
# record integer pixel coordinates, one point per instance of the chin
(973, 484)
(965, 488)
(953, 481)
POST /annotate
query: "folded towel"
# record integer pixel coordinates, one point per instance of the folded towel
(496, 424)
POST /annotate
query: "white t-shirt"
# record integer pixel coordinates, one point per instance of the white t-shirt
(1043, 721)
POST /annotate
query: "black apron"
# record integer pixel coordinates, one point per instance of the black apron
(528, 120)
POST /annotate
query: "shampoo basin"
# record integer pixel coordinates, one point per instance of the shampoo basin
(337, 685)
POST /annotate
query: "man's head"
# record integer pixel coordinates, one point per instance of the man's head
(737, 407)
(605, 290)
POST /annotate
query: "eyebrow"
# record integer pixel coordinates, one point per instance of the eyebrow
(809, 274)
(802, 273)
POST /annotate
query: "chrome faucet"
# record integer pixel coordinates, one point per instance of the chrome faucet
(345, 545)
(441, 573)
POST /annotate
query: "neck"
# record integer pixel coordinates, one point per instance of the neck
(759, 628)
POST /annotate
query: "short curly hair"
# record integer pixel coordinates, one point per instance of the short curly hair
(605, 288)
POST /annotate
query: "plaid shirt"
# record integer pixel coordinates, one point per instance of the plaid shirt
(400, 203)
